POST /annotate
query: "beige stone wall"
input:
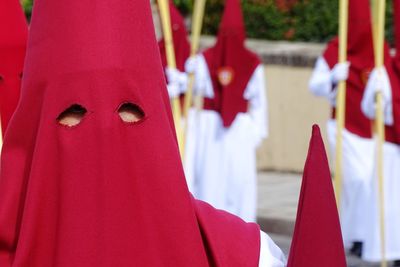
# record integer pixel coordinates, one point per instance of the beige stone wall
(292, 112)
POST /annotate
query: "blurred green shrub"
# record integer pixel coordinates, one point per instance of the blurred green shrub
(315, 20)
(262, 17)
(307, 20)
(27, 5)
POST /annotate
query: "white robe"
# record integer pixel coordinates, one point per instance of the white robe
(357, 168)
(220, 163)
(391, 176)
(357, 164)
(371, 249)
(270, 254)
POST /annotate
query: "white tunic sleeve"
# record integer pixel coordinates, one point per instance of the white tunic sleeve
(255, 94)
(378, 81)
(270, 254)
(202, 82)
(321, 83)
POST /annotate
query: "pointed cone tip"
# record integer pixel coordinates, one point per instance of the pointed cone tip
(316, 130)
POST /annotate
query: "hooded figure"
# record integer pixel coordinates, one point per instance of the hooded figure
(176, 78)
(179, 37)
(317, 240)
(389, 82)
(230, 78)
(90, 169)
(13, 38)
(358, 145)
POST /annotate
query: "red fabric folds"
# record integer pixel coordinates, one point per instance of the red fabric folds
(104, 192)
(210, 221)
(395, 77)
(179, 36)
(13, 38)
(317, 239)
(230, 55)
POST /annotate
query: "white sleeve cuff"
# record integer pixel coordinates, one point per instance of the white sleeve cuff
(320, 83)
(378, 82)
(270, 254)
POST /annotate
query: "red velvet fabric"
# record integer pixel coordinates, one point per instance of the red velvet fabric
(179, 36)
(230, 52)
(395, 77)
(317, 239)
(360, 54)
(215, 237)
(104, 192)
(13, 38)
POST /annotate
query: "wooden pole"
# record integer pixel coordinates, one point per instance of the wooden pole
(379, 122)
(163, 6)
(197, 21)
(341, 99)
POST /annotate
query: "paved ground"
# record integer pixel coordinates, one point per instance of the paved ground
(284, 243)
(278, 195)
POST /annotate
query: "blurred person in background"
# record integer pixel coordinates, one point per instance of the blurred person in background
(358, 145)
(224, 135)
(387, 80)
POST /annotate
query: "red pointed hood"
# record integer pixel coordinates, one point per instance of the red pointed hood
(230, 58)
(179, 36)
(317, 239)
(13, 38)
(104, 192)
(360, 51)
(360, 28)
(13, 25)
(232, 23)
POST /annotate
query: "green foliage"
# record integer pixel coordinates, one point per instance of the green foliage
(27, 5)
(212, 17)
(308, 20)
(185, 6)
(389, 34)
(264, 20)
(315, 20)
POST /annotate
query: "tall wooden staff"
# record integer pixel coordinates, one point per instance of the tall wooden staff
(171, 61)
(379, 122)
(197, 21)
(341, 97)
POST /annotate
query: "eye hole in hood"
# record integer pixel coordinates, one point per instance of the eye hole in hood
(72, 116)
(130, 113)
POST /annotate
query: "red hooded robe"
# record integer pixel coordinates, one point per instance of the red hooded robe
(360, 54)
(395, 75)
(230, 64)
(104, 192)
(13, 38)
